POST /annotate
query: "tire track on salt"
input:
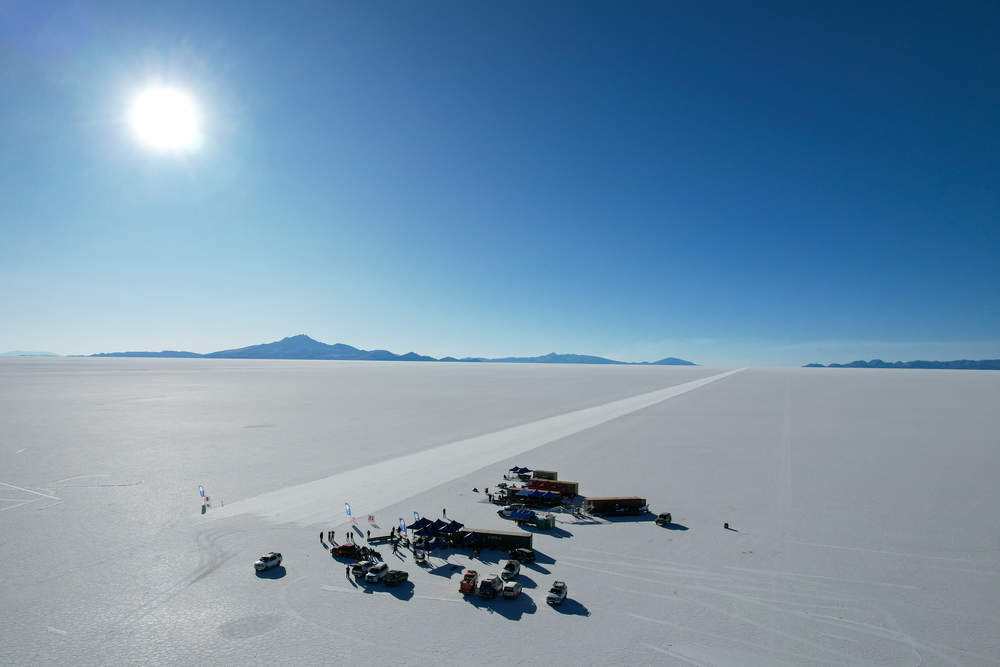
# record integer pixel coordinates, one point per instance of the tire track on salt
(378, 485)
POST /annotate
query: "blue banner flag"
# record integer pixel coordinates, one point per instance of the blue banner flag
(201, 490)
(347, 508)
(402, 526)
(416, 516)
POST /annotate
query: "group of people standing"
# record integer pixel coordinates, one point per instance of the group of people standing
(330, 534)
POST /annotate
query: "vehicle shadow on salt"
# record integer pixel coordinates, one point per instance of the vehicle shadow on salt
(509, 609)
(403, 591)
(571, 607)
(629, 518)
(582, 520)
(543, 558)
(446, 570)
(485, 556)
(273, 573)
(551, 532)
(526, 581)
(675, 526)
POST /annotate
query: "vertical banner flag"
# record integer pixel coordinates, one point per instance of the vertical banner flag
(402, 526)
(347, 508)
(416, 517)
(201, 490)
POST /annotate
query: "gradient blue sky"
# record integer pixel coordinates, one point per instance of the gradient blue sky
(732, 185)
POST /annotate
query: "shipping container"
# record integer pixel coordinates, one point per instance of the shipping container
(563, 488)
(502, 539)
(615, 505)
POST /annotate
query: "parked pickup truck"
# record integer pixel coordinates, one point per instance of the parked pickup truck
(523, 516)
(510, 570)
(470, 582)
(510, 509)
(663, 519)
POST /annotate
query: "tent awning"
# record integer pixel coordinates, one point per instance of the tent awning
(453, 527)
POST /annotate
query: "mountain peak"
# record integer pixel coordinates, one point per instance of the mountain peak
(301, 346)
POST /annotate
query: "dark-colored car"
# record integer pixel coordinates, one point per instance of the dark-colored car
(346, 551)
(663, 519)
(395, 577)
(490, 587)
(522, 554)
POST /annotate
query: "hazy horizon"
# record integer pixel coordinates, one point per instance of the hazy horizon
(957, 350)
(954, 348)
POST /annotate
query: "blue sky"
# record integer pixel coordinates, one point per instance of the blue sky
(734, 185)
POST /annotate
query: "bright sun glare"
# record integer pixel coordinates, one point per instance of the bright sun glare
(165, 119)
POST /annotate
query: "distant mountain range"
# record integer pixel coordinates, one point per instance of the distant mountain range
(961, 364)
(304, 347)
(25, 353)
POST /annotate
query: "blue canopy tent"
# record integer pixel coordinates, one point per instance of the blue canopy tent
(426, 531)
(453, 527)
(419, 523)
(438, 525)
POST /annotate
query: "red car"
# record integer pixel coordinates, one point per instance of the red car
(346, 551)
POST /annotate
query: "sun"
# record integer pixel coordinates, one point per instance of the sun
(165, 119)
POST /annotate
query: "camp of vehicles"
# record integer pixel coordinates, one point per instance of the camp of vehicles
(540, 488)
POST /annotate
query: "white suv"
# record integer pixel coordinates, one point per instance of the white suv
(267, 561)
(376, 573)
